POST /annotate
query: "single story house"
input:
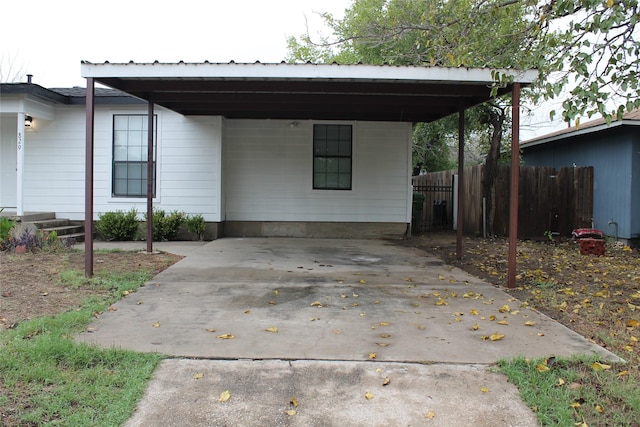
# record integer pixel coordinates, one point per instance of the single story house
(257, 149)
(614, 152)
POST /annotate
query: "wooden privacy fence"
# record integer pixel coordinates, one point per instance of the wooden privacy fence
(550, 200)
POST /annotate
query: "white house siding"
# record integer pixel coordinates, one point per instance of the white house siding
(268, 174)
(54, 164)
(8, 151)
(188, 164)
(188, 159)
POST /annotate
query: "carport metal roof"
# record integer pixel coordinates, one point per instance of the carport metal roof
(309, 91)
(306, 91)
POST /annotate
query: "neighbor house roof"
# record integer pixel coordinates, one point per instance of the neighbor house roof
(74, 95)
(630, 118)
(306, 91)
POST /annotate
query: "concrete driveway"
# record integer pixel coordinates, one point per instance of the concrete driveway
(327, 321)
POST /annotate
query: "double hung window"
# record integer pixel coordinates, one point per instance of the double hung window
(332, 148)
(130, 138)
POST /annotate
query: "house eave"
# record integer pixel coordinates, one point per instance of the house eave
(576, 132)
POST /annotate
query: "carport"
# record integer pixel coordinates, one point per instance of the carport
(304, 92)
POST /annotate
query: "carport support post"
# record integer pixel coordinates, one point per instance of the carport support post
(88, 180)
(515, 176)
(460, 214)
(150, 179)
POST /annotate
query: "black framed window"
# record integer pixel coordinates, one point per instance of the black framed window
(332, 148)
(130, 155)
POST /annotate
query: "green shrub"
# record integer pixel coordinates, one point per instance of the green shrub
(166, 227)
(6, 225)
(118, 225)
(197, 225)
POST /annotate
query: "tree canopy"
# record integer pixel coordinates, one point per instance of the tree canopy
(585, 50)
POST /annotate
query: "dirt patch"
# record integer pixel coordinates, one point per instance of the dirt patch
(596, 296)
(30, 284)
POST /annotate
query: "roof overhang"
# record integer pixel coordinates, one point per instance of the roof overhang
(307, 91)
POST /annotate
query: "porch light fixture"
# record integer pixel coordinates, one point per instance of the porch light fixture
(27, 121)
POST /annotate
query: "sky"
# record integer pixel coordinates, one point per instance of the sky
(49, 38)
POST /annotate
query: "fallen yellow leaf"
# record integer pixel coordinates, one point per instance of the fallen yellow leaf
(316, 304)
(226, 336)
(496, 337)
(386, 381)
(156, 325)
(363, 281)
(429, 415)
(441, 277)
(384, 323)
(294, 402)
(542, 368)
(291, 412)
(224, 396)
(561, 382)
(597, 366)
(474, 312)
(475, 327)
(442, 302)
(368, 396)
(372, 356)
(272, 329)
(529, 323)
(504, 309)
(632, 323)
(599, 409)
(502, 322)
(484, 390)
(198, 376)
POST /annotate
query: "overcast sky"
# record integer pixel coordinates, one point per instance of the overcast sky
(49, 38)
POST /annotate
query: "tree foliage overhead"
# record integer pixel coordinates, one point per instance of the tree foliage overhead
(585, 50)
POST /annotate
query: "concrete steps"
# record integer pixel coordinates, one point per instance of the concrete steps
(48, 223)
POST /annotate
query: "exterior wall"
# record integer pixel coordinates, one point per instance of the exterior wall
(635, 185)
(188, 164)
(8, 155)
(268, 177)
(610, 153)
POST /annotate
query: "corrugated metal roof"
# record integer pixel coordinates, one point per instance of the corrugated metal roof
(306, 91)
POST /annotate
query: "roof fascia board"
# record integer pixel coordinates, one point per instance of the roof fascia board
(578, 132)
(301, 71)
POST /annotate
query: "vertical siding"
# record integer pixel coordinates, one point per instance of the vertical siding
(8, 153)
(609, 152)
(635, 184)
(268, 174)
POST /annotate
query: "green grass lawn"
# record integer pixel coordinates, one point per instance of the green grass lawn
(48, 379)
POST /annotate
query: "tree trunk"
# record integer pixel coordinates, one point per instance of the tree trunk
(495, 117)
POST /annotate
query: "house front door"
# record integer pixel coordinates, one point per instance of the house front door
(8, 158)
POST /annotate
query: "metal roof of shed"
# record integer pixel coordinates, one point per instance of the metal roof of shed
(306, 91)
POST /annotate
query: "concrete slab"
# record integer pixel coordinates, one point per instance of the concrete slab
(328, 300)
(325, 321)
(328, 394)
